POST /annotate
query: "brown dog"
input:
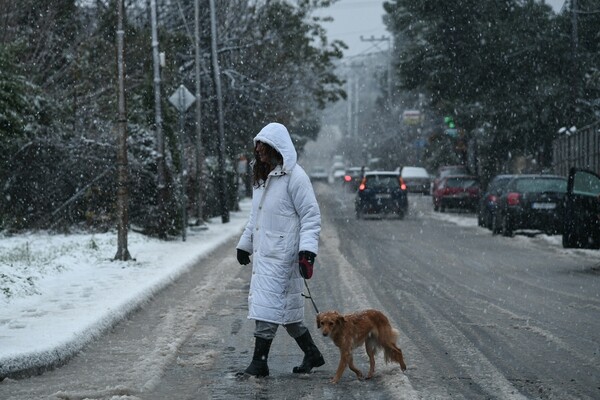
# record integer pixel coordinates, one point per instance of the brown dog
(349, 331)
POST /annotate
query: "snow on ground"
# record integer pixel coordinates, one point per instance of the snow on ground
(59, 292)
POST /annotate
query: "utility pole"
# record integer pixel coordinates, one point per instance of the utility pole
(574, 56)
(199, 147)
(162, 190)
(221, 135)
(389, 64)
(122, 176)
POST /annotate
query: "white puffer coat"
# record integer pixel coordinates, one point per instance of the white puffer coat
(285, 218)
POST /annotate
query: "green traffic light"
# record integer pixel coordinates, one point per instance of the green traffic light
(450, 122)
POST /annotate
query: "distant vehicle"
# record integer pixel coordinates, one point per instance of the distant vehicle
(447, 170)
(318, 173)
(531, 202)
(381, 192)
(353, 176)
(336, 172)
(417, 179)
(461, 191)
(488, 202)
(581, 220)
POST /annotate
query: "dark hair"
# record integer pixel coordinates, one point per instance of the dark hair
(260, 170)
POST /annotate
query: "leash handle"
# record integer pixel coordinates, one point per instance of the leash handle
(310, 296)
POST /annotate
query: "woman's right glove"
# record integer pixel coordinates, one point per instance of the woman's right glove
(243, 257)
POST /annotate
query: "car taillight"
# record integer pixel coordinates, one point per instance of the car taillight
(402, 184)
(363, 184)
(347, 178)
(513, 199)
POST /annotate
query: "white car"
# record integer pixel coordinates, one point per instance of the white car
(416, 179)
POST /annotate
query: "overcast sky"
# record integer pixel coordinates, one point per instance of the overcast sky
(356, 18)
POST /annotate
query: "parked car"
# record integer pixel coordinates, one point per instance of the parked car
(417, 179)
(381, 192)
(318, 173)
(581, 220)
(447, 170)
(531, 202)
(488, 202)
(353, 177)
(460, 191)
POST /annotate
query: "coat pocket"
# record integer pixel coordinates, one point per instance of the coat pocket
(274, 245)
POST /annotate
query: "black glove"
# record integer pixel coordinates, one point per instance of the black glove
(243, 257)
(307, 261)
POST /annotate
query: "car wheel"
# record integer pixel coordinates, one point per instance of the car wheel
(442, 206)
(507, 229)
(569, 240)
(480, 219)
(495, 225)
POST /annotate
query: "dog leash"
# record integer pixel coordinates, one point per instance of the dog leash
(310, 296)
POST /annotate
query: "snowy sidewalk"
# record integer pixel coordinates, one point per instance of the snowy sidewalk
(62, 291)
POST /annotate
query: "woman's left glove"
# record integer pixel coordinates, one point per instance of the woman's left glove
(243, 257)
(307, 261)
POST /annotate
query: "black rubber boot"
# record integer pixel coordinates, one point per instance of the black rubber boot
(258, 367)
(312, 356)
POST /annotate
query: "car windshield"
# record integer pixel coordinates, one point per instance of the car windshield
(537, 185)
(460, 182)
(382, 181)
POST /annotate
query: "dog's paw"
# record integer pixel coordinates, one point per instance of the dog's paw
(334, 381)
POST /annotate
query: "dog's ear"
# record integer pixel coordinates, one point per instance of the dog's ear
(318, 321)
(339, 319)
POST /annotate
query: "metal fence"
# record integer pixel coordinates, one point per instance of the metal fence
(580, 149)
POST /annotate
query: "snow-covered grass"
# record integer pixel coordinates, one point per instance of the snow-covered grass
(58, 292)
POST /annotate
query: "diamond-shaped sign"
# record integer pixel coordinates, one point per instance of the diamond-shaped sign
(182, 99)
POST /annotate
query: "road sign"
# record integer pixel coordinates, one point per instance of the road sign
(452, 132)
(182, 99)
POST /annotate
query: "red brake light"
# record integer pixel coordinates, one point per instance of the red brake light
(513, 198)
(363, 185)
(347, 178)
(402, 184)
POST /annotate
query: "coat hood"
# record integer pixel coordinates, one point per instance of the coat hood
(277, 136)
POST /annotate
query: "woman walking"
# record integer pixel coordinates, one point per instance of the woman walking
(282, 235)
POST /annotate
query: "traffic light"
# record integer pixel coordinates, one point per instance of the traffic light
(449, 121)
(451, 126)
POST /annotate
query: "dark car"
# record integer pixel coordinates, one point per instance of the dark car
(447, 170)
(488, 202)
(381, 192)
(461, 191)
(581, 227)
(531, 202)
(353, 177)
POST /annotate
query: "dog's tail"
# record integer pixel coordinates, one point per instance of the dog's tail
(391, 352)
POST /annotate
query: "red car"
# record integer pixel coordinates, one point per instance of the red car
(456, 191)
(447, 170)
